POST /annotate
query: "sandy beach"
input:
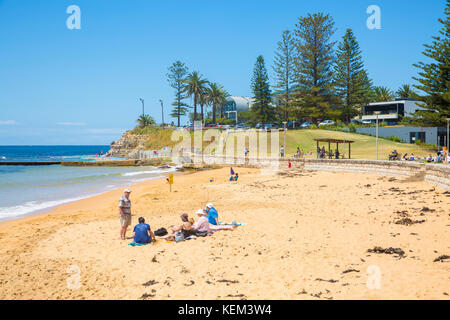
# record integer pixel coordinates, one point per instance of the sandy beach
(306, 236)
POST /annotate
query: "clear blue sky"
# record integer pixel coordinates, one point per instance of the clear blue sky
(61, 86)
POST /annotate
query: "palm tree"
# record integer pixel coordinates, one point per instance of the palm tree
(405, 91)
(195, 86)
(145, 120)
(203, 101)
(383, 94)
(216, 96)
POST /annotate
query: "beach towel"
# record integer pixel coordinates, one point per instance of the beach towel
(134, 244)
(234, 223)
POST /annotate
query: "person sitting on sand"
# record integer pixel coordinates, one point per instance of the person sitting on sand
(236, 177)
(185, 227)
(405, 157)
(202, 224)
(142, 232)
(213, 219)
(213, 215)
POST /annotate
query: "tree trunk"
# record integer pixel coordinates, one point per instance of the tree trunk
(214, 113)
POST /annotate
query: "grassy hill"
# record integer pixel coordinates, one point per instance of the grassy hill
(364, 146)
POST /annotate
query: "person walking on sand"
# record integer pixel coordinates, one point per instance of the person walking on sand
(125, 212)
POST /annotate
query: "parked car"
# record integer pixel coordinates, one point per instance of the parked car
(366, 122)
(326, 123)
(305, 125)
(241, 126)
(258, 125)
(271, 126)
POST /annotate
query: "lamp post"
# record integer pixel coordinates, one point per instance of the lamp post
(448, 136)
(377, 113)
(284, 145)
(142, 100)
(162, 112)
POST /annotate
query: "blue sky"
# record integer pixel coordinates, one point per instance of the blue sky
(61, 86)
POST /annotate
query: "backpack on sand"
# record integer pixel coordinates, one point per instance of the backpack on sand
(161, 232)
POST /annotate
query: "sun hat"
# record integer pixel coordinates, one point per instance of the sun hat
(200, 211)
(209, 205)
(127, 190)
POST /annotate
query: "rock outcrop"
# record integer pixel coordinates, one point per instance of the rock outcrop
(128, 146)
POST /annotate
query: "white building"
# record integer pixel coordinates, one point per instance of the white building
(391, 112)
(236, 103)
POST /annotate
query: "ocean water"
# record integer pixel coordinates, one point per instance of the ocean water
(26, 190)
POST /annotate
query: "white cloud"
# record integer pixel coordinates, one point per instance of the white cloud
(74, 124)
(8, 123)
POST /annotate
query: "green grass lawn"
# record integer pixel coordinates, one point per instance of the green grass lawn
(364, 146)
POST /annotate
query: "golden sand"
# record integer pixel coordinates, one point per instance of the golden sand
(306, 237)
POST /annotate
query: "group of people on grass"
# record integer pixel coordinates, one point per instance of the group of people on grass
(439, 158)
(207, 223)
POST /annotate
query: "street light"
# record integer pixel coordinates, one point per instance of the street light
(142, 100)
(162, 111)
(448, 136)
(377, 113)
(284, 145)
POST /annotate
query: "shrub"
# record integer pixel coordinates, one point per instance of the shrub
(352, 127)
(313, 126)
(395, 139)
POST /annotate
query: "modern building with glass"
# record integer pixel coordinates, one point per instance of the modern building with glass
(235, 104)
(391, 112)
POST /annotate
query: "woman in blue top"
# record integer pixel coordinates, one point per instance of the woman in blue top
(213, 219)
(213, 215)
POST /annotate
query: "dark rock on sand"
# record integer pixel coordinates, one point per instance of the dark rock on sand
(441, 258)
(389, 250)
(408, 221)
(150, 283)
(350, 270)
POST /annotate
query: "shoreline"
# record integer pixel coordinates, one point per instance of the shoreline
(61, 207)
(302, 249)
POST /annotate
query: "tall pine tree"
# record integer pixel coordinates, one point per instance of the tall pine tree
(314, 96)
(434, 78)
(176, 76)
(283, 68)
(262, 109)
(352, 83)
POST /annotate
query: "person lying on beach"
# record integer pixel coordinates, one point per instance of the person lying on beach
(142, 233)
(213, 219)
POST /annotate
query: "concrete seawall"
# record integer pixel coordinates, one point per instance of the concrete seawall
(435, 174)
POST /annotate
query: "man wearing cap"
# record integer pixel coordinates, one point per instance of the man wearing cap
(213, 215)
(125, 212)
